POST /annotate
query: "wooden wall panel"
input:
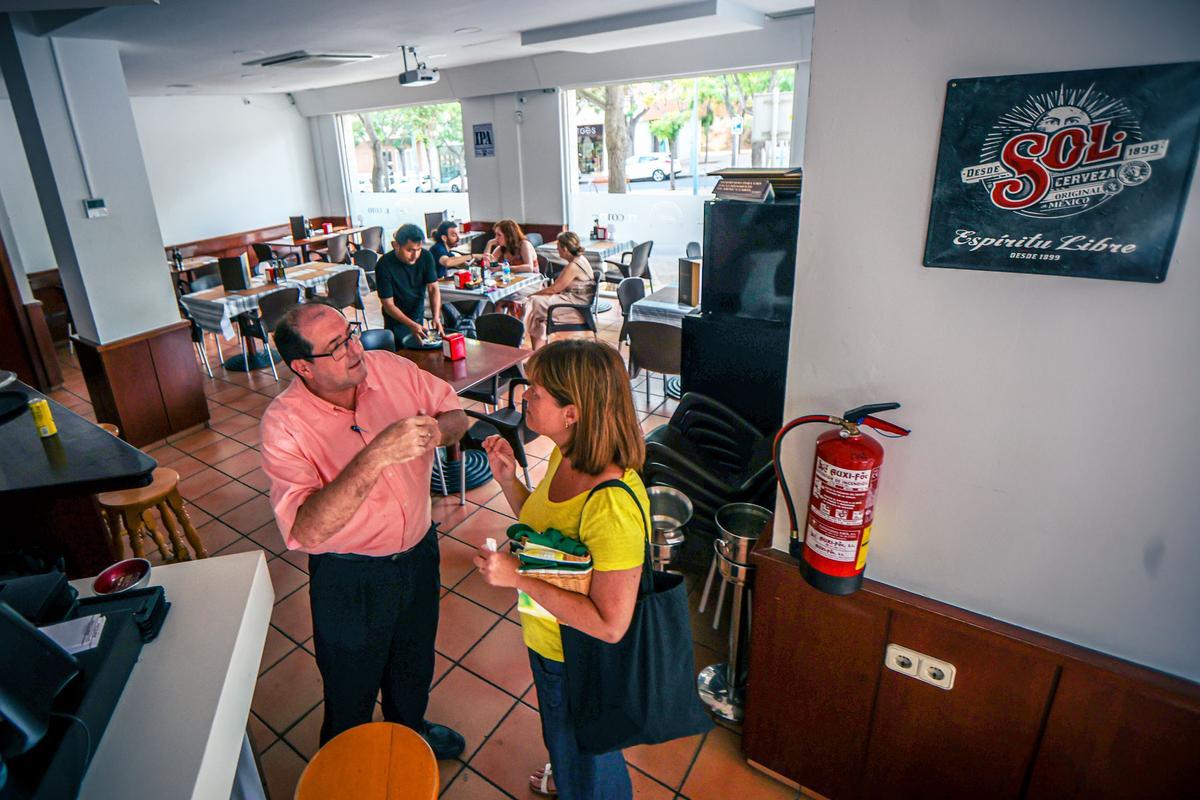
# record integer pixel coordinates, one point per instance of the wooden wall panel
(179, 378)
(1029, 715)
(976, 740)
(148, 397)
(840, 644)
(1106, 737)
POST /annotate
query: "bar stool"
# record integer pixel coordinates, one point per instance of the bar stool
(130, 512)
(375, 761)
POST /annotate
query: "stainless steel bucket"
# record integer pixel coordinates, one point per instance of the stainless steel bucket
(670, 510)
(741, 524)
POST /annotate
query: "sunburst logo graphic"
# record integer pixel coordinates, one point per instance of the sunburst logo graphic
(1061, 153)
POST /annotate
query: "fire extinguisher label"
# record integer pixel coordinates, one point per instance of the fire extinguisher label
(839, 517)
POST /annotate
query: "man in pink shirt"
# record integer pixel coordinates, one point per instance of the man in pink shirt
(349, 449)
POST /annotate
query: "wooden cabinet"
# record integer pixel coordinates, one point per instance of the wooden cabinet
(1029, 716)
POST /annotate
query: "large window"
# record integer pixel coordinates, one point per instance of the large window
(405, 162)
(644, 150)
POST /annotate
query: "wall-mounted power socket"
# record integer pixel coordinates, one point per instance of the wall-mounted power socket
(924, 668)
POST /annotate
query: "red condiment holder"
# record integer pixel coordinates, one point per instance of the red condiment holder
(454, 346)
(464, 278)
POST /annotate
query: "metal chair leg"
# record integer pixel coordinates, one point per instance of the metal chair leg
(220, 355)
(462, 477)
(708, 582)
(270, 358)
(647, 389)
(204, 358)
(437, 467)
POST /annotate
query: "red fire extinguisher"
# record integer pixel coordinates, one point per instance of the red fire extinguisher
(832, 548)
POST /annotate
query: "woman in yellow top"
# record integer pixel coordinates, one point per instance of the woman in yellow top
(580, 398)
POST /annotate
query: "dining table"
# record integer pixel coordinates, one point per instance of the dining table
(596, 251)
(483, 361)
(216, 309)
(314, 239)
(499, 288)
(186, 272)
(48, 487)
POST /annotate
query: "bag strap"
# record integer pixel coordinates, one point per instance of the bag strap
(647, 582)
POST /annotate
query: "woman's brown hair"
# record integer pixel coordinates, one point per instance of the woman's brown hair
(513, 236)
(569, 240)
(592, 377)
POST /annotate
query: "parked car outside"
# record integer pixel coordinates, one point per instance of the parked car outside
(650, 166)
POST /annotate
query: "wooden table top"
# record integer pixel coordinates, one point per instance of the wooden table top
(288, 241)
(81, 459)
(194, 262)
(483, 360)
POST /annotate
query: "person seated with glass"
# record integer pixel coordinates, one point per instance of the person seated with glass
(575, 285)
(511, 245)
(445, 239)
(403, 277)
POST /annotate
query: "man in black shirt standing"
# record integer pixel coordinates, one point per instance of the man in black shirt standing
(445, 240)
(403, 277)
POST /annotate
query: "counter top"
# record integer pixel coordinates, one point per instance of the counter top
(177, 730)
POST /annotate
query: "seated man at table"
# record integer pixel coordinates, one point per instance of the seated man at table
(445, 240)
(403, 277)
(349, 449)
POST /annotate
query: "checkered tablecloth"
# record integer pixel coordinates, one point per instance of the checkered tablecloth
(530, 283)
(217, 314)
(661, 306)
(595, 251)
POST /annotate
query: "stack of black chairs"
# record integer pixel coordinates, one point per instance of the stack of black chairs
(714, 456)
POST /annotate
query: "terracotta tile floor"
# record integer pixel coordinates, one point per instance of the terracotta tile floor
(482, 687)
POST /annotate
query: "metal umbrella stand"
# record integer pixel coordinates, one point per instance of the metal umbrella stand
(670, 510)
(722, 686)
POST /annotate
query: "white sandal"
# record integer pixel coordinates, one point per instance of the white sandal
(543, 786)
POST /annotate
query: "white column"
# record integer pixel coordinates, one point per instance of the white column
(72, 108)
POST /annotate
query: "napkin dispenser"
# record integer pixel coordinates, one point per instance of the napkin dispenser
(454, 346)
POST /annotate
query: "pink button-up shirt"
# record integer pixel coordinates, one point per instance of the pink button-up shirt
(307, 441)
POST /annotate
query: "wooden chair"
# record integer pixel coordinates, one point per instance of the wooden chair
(375, 761)
(130, 512)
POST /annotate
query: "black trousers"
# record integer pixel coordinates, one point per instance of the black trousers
(374, 624)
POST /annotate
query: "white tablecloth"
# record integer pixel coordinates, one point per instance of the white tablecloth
(595, 251)
(661, 306)
(217, 315)
(530, 284)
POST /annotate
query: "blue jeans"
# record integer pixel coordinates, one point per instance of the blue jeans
(576, 776)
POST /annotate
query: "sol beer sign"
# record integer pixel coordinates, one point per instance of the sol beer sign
(1081, 174)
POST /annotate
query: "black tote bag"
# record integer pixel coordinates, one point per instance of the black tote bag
(642, 689)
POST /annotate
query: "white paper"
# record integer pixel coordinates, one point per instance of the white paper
(76, 635)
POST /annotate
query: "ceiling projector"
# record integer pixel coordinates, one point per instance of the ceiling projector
(419, 75)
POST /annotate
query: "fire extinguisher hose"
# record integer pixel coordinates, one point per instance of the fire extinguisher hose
(775, 455)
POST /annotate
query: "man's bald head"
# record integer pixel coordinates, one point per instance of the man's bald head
(292, 334)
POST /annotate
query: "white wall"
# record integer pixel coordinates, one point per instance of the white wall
(21, 222)
(218, 165)
(1051, 478)
(523, 180)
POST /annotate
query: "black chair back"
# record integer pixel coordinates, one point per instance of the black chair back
(204, 282)
(273, 305)
(655, 346)
(693, 250)
(262, 252)
(366, 259)
(378, 339)
(500, 329)
(372, 239)
(639, 261)
(629, 292)
(479, 243)
(342, 289)
(588, 311)
(338, 252)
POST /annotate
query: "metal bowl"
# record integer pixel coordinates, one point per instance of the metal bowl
(730, 570)
(741, 524)
(670, 510)
(123, 576)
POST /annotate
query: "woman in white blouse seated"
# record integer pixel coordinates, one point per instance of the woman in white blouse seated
(575, 285)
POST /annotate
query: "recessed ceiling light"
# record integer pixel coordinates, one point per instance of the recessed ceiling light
(248, 75)
(468, 30)
(181, 86)
(249, 52)
(436, 55)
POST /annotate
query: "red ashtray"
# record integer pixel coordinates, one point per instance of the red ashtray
(123, 576)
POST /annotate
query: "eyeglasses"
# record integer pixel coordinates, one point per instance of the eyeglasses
(339, 350)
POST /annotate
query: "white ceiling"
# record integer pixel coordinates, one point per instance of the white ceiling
(203, 43)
